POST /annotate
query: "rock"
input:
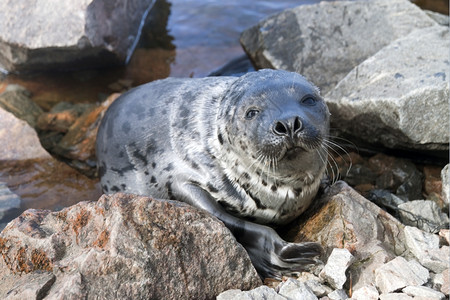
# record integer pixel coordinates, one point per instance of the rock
(73, 34)
(433, 185)
(33, 174)
(8, 201)
(384, 198)
(315, 284)
(445, 175)
(337, 264)
(368, 292)
(399, 176)
(399, 273)
(339, 36)
(342, 218)
(125, 246)
(293, 289)
(424, 292)
(262, 292)
(338, 295)
(425, 247)
(439, 18)
(445, 288)
(445, 234)
(424, 214)
(78, 144)
(395, 296)
(16, 100)
(388, 100)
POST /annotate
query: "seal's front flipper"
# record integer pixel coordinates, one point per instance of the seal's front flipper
(270, 254)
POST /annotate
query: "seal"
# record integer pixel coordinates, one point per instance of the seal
(249, 150)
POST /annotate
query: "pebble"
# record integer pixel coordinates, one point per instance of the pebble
(338, 294)
(395, 296)
(423, 214)
(424, 292)
(262, 292)
(293, 289)
(399, 273)
(368, 292)
(337, 264)
(314, 283)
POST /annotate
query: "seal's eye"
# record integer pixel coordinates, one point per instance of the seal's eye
(309, 101)
(251, 113)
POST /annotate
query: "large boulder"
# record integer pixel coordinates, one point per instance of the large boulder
(399, 97)
(43, 34)
(325, 41)
(121, 247)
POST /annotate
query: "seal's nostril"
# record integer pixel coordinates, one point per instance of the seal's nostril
(281, 128)
(297, 124)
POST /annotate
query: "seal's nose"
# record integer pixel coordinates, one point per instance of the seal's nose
(288, 127)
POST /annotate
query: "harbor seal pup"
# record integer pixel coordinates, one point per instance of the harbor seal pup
(249, 150)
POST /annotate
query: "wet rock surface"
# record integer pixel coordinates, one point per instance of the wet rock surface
(122, 246)
(70, 35)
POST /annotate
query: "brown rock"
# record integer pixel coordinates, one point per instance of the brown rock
(124, 246)
(342, 218)
(79, 142)
(60, 121)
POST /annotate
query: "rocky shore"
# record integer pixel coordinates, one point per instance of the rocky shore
(382, 216)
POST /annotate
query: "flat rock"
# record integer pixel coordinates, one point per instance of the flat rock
(368, 292)
(400, 273)
(342, 218)
(424, 214)
(71, 34)
(423, 292)
(325, 41)
(398, 98)
(33, 174)
(125, 246)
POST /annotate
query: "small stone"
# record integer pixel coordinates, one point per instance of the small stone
(314, 283)
(337, 264)
(445, 288)
(262, 292)
(423, 214)
(399, 273)
(445, 234)
(293, 289)
(425, 247)
(395, 296)
(424, 292)
(445, 175)
(368, 292)
(338, 294)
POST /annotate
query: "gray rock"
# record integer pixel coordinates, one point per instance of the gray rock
(345, 219)
(315, 284)
(293, 289)
(424, 214)
(8, 200)
(339, 294)
(29, 287)
(260, 293)
(368, 292)
(425, 247)
(439, 18)
(445, 175)
(424, 292)
(399, 273)
(16, 100)
(337, 264)
(71, 34)
(125, 246)
(399, 96)
(395, 296)
(326, 40)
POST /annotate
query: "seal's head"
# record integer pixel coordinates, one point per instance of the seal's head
(278, 119)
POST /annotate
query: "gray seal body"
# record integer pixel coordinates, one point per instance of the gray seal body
(250, 151)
